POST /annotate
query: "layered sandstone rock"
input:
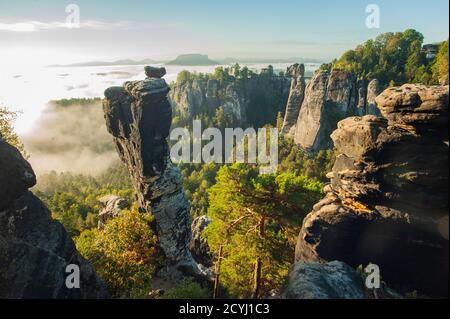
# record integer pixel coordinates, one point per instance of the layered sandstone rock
(247, 100)
(387, 202)
(112, 208)
(199, 245)
(329, 98)
(295, 100)
(333, 280)
(35, 249)
(138, 115)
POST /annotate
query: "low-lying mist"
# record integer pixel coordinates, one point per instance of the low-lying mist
(71, 136)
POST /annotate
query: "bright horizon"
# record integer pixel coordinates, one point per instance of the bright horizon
(33, 33)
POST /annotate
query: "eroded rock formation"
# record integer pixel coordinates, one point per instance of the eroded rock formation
(35, 249)
(138, 115)
(333, 280)
(112, 208)
(296, 96)
(199, 245)
(249, 100)
(329, 98)
(388, 200)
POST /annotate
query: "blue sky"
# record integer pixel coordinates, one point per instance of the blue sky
(246, 28)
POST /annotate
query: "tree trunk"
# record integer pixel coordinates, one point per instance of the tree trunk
(258, 263)
(217, 276)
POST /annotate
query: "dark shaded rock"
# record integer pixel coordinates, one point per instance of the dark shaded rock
(295, 100)
(112, 208)
(35, 249)
(139, 117)
(333, 280)
(388, 198)
(153, 72)
(199, 245)
(16, 175)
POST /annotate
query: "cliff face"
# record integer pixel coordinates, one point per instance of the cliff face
(388, 200)
(35, 249)
(329, 98)
(248, 100)
(296, 96)
(138, 115)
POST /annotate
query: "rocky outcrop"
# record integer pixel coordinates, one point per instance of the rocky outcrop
(35, 249)
(295, 100)
(387, 202)
(112, 208)
(333, 280)
(248, 100)
(329, 98)
(138, 115)
(199, 245)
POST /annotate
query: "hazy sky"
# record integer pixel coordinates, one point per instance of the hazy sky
(34, 31)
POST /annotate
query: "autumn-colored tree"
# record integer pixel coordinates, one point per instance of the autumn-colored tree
(124, 253)
(440, 67)
(7, 133)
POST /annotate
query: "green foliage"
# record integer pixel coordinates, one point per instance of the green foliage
(183, 76)
(389, 57)
(295, 160)
(124, 253)
(197, 179)
(189, 289)
(440, 66)
(73, 199)
(7, 133)
(257, 217)
(76, 101)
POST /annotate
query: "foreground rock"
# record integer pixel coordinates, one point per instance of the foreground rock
(112, 208)
(333, 280)
(329, 98)
(388, 198)
(35, 249)
(139, 115)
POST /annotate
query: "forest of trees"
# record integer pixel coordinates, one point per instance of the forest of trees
(395, 58)
(255, 218)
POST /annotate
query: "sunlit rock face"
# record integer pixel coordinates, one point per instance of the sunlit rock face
(295, 100)
(112, 208)
(388, 197)
(35, 249)
(138, 115)
(329, 97)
